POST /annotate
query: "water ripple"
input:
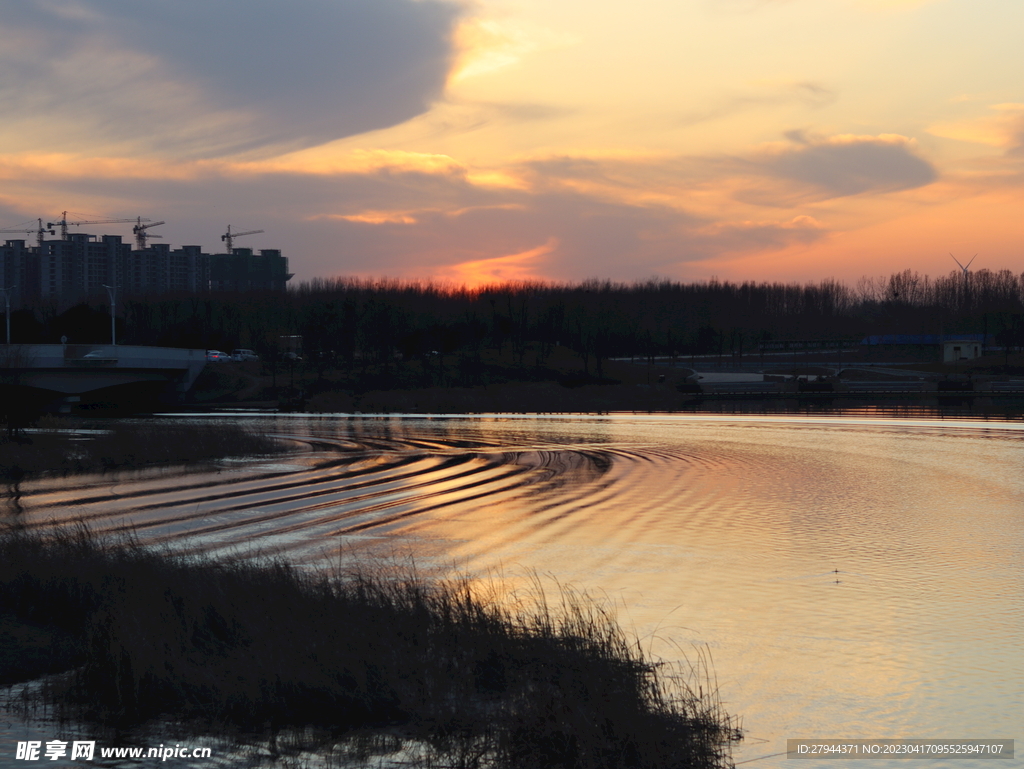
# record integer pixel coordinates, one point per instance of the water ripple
(853, 577)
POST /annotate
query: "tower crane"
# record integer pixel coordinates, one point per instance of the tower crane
(140, 232)
(39, 231)
(64, 223)
(229, 236)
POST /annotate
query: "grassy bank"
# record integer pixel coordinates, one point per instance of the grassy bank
(265, 651)
(62, 446)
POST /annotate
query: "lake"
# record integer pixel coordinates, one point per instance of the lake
(847, 576)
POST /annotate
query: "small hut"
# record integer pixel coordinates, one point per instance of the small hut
(954, 350)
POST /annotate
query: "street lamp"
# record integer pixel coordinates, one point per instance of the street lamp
(110, 293)
(7, 305)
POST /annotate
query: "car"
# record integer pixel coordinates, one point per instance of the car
(217, 355)
(94, 354)
(292, 356)
(238, 355)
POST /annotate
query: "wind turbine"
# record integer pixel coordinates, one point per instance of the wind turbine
(964, 267)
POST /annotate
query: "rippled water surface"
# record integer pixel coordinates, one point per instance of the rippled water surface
(853, 578)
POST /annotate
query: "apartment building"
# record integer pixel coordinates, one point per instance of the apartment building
(69, 270)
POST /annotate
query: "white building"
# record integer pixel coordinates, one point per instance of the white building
(960, 349)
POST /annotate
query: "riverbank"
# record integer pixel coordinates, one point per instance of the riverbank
(451, 386)
(301, 660)
(59, 446)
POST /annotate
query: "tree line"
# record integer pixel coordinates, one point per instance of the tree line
(378, 322)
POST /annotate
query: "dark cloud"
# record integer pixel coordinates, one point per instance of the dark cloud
(808, 169)
(214, 76)
(592, 238)
(849, 165)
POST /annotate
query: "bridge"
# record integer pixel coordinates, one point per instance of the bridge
(69, 371)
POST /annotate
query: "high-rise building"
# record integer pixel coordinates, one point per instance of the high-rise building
(19, 270)
(242, 270)
(68, 271)
(159, 270)
(72, 269)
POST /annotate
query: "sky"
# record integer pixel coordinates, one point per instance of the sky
(473, 141)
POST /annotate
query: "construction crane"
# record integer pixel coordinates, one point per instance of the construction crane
(229, 237)
(39, 231)
(140, 232)
(64, 223)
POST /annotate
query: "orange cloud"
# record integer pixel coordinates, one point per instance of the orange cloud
(310, 163)
(414, 216)
(522, 266)
(374, 217)
(802, 222)
(321, 161)
(66, 165)
(1005, 129)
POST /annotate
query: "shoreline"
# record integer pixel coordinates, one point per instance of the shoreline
(622, 385)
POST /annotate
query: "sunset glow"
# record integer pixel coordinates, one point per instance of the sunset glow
(514, 139)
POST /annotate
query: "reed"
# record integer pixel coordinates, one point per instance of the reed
(347, 662)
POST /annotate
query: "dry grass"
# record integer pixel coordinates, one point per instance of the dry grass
(354, 663)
